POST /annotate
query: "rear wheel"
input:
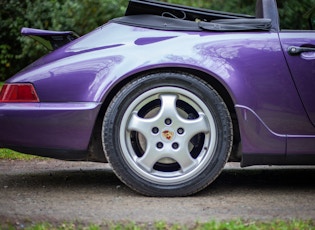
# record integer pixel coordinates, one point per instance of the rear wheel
(167, 134)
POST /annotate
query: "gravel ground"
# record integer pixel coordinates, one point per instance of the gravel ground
(57, 191)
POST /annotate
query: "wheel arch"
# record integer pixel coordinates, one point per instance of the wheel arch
(95, 146)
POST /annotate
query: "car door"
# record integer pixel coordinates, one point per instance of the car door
(299, 51)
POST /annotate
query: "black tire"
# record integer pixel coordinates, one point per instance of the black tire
(167, 134)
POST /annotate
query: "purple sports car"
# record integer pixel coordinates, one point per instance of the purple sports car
(167, 95)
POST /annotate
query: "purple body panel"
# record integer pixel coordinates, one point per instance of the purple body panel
(52, 125)
(72, 82)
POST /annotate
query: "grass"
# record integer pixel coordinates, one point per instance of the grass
(160, 225)
(7, 154)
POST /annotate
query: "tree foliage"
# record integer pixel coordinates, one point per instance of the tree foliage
(82, 16)
(294, 14)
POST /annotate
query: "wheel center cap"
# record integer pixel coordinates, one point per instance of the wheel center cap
(168, 135)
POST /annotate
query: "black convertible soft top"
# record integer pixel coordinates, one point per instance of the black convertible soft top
(166, 16)
(136, 7)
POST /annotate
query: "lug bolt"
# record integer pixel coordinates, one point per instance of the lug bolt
(180, 130)
(155, 130)
(175, 145)
(168, 121)
(159, 145)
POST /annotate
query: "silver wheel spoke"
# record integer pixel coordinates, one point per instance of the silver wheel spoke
(150, 158)
(139, 124)
(168, 107)
(185, 160)
(196, 126)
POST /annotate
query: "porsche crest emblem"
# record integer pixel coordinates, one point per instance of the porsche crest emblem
(167, 134)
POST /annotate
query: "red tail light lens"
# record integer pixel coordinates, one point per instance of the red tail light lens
(18, 93)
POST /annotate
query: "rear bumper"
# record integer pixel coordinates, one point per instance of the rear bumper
(66, 126)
